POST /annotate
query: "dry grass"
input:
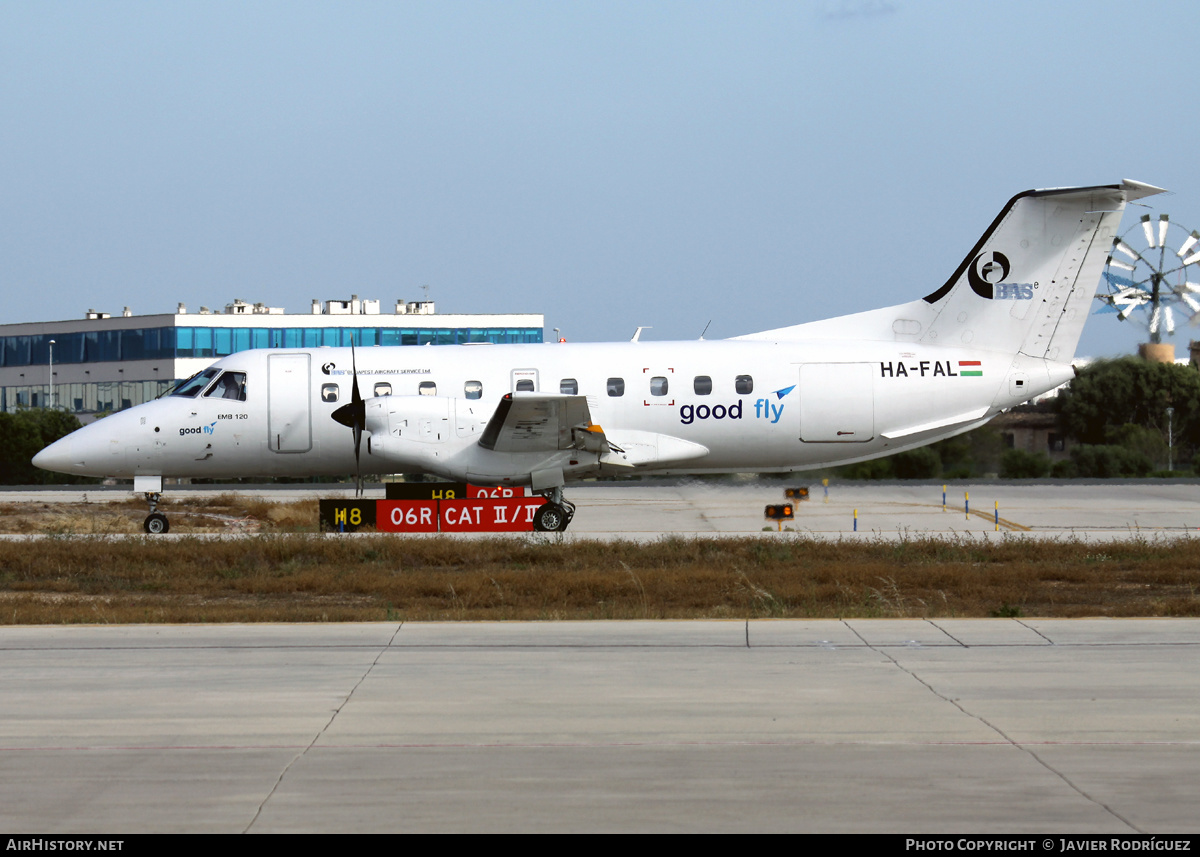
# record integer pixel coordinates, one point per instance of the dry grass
(299, 577)
(224, 513)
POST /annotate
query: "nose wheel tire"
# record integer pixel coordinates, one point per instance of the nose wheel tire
(551, 518)
(156, 524)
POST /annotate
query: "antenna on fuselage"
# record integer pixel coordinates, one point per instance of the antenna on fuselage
(637, 334)
(706, 327)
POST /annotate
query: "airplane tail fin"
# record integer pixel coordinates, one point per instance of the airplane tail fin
(1027, 284)
(1026, 287)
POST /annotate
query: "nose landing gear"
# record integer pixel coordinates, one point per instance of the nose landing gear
(156, 522)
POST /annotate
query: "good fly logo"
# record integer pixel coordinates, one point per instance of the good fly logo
(208, 429)
(690, 413)
(764, 409)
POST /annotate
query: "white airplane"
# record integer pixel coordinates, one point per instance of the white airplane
(1002, 329)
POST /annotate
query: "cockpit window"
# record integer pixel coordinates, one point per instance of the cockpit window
(193, 385)
(231, 385)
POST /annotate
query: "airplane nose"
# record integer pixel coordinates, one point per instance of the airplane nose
(57, 457)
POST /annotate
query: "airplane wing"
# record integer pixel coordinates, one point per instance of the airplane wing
(535, 422)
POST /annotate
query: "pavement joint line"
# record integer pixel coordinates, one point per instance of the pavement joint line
(1036, 631)
(947, 633)
(322, 730)
(1014, 744)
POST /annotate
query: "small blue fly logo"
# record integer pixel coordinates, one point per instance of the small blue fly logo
(765, 409)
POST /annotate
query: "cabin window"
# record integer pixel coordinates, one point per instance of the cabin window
(568, 387)
(702, 385)
(616, 387)
(744, 385)
(658, 386)
(525, 385)
(329, 392)
(473, 389)
(427, 388)
(383, 389)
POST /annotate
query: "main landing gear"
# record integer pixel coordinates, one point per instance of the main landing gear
(156, 522)
(554, 516)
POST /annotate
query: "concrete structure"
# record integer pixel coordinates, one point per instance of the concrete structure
(106, 363)
(984, 726)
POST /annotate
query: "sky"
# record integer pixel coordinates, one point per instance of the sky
(679, 165)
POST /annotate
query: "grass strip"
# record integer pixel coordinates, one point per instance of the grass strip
(290, 577)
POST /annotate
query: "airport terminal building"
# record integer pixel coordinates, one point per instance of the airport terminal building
(102, 363)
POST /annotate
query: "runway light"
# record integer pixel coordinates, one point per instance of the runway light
(796, 493)
(779, 512)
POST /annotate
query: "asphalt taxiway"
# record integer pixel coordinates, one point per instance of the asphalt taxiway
(1090, 511)
(1006, 726)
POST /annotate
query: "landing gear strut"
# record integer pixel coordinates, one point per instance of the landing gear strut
(554, 516)
(156, 522)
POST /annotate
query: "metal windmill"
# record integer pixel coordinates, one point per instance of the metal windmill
(1154, 284)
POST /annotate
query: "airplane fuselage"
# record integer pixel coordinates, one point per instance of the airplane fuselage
(752, 405)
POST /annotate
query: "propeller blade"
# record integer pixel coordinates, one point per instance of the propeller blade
(1117, 280)
(353, 415)
(1118, 244)
(1187, 245)
(360, 417)
(1148, 230)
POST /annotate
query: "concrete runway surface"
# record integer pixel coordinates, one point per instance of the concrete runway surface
(1000, 726)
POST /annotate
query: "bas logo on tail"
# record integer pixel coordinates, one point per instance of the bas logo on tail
(986, 270)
